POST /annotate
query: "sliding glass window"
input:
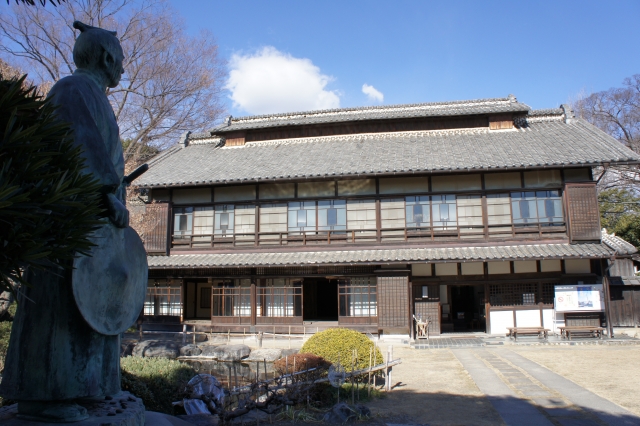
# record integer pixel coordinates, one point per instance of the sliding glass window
(332, 215)
(444, 212)
(302, 216)
(357, 297)
(282, 297)
(418, 212)
(224, 220)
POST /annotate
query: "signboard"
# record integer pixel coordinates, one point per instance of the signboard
(579, 298)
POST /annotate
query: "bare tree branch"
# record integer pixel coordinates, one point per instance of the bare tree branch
(617, 112)
(172, 82)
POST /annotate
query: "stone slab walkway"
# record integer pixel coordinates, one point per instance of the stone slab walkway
(525, 393)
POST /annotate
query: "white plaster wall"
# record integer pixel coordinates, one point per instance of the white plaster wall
(421, 269)
(499, 267)
(500, 320)
(547, 320)
(529, 318)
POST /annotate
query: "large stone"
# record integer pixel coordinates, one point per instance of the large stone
(123, 409)
(160, 419)
(269, 355)
(340, 413)
(228, 352)
(252, 417)
(190, 350)
(5, 301)
(208, 350)
(289, 352)
(157, 348)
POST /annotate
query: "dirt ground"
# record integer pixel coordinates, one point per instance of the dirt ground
(433, 389)
(612, 372)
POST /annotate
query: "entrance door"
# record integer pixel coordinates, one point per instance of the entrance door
(198, 300)
(467, 308)
(320, 299)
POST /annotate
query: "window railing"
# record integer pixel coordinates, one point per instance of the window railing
(386, 235)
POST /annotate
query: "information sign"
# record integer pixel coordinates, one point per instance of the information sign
(579, 298)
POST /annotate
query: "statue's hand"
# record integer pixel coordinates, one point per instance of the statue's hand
(118, 213)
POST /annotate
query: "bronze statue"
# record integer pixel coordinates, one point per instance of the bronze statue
(65, 342)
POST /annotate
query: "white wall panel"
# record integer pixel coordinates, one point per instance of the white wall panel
(500, 320)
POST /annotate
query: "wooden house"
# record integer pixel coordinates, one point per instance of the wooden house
(465, 213)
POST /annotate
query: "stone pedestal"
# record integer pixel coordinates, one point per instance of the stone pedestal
(123, 409)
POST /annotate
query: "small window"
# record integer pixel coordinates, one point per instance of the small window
(224, 220)
(425, 291)
(302, 216)
(418, 212)
(332, 215)
(529, 299)
(183, 221)
(444, 211)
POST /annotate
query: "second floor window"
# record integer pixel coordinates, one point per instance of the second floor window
(302, 216)
(537, 207)
(418, 212)
(224, 219)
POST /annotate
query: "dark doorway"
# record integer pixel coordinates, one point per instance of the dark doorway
(467, 308)
(320, 298)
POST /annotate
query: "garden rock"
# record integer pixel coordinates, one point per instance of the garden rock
(5, 301)
(341, 413)
(208, 350)
(190, 350)
(230, 352)
(363, 410)
(253, 416)
(269, 355)
(157, 348)
(127, 349)
(287, 352)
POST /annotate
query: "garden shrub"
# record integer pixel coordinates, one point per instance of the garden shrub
(5, 332)
(158, 381)
(337, 344)
(302, 361)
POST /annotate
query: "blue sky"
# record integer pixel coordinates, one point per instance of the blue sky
(544, 52)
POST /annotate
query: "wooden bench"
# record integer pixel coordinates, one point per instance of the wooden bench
(592, 331)
(541, 332)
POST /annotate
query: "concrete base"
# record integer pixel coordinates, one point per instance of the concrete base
(123, 409)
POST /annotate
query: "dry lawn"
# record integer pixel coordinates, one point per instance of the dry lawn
(612, 372)
(434, 389)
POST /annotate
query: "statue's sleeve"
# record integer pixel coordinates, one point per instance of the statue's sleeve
(73, 108)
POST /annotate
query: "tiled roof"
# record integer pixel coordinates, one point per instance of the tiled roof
(471, 107)
(403, 255)
(618, 244)
(544, 141)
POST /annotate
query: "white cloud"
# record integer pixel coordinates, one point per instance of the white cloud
(270, 81)
(372, 93)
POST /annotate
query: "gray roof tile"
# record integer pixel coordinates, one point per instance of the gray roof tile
(534, 144)
(470, 107)
(495, 253)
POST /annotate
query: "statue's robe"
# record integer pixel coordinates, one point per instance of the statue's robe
(53, 353)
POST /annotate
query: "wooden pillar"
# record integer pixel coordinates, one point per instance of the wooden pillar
(607, 297)
(254, 307)
(487, 308)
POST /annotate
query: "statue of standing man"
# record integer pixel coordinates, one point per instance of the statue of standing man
(65, 341)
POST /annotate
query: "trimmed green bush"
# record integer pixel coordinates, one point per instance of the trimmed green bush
(337, 345)
(158, 381)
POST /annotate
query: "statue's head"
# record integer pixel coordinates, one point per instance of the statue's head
(98, 51)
